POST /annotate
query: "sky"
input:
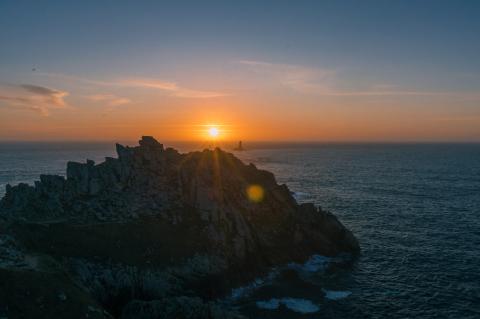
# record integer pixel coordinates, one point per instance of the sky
(257, 70)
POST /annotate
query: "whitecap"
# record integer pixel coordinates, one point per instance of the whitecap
(336, 294)
(299, 305)
(243, 291)
(316, 263)
(299, 196)
(313, 264)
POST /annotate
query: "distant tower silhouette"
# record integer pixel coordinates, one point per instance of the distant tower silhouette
(239, 147)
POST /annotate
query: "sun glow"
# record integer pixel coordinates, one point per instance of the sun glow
(213, 132)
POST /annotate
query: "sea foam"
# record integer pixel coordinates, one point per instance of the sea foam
(336, 294)
(313, 264)
(300, 196)
(244, 291)
(299, 305)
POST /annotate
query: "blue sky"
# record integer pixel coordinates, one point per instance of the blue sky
(430, 48)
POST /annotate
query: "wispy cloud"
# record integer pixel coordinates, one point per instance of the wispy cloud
(299, 78)
(35, 98)
(322, 82)
(109, 99)
(150, 83)
(47, 95)
(168, 87)
(386, 93)
(171, 88)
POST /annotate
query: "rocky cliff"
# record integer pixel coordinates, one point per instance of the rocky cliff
(151, 234)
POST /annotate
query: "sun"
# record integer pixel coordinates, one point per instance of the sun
(213, 132)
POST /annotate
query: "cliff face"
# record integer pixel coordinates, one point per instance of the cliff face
(154, 224)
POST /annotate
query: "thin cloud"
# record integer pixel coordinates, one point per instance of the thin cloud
(76, 79)
(386, 93)
(110, 99)
(50, 96)
(172, 88)
(169, 87)
(321, 82)
(35, 98)
(150, 83)
(197, 94)
(299, 78)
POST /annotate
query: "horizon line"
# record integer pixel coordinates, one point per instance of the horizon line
(249, 141)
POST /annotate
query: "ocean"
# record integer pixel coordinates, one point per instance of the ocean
(415, 209)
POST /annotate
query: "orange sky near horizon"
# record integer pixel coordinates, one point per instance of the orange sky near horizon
(242, 119)
(268, 115)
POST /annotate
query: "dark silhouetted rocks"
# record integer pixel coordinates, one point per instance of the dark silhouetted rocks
(145, 233)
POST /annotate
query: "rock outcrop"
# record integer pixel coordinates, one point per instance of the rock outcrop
(154, 228)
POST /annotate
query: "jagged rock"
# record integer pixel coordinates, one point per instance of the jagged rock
(149, 141)
(154, 224)
(122, 151)
(52, 183)
(79, 174)
(177, 307)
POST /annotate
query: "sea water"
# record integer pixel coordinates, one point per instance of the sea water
(415, 208)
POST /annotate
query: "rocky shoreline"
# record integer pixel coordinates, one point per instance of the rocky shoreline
(151, 234)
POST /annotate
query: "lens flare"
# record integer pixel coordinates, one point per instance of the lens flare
(255, 193)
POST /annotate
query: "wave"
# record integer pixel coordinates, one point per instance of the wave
(336, 294)
(243, 291)
(300, 196)
(299, 305)
(313, 264)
